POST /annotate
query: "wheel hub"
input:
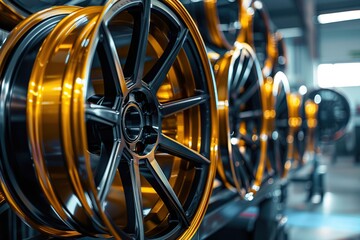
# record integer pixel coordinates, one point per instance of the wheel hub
(140, 122)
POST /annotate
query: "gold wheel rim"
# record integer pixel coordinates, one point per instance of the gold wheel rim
(14, 198)
(247, 176)
(73, 95)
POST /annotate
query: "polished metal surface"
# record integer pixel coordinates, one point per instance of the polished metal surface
(243, 140)
(19, 184)
(120, 115)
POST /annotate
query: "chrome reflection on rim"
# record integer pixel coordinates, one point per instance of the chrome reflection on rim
(243, 145)
(18, 178)
(136, 108)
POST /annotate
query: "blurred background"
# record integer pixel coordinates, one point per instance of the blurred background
(323, 46)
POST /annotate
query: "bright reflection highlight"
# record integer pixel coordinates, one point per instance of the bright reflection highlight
(302, 89)
(338, 75)
(338, 16)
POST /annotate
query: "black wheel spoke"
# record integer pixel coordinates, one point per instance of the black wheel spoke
(114, 81)
(156, 177)
(248, 141)
(110, 170)
(176, 106)
(102, 114)
(246, 96)
(250, 114)
(130, 176)
(246, 162)
(134, 65)
(235, 81)
(158, 73)
(175, 148)
(243, 75)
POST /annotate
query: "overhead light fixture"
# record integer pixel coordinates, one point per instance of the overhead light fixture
(338, 16)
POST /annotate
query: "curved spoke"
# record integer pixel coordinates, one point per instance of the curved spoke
(175, 148)
(114, 81)
(170, 108)
(245, 97)
(110, 170)
(156, 177)
(243, 75)
(130, 176)
(248, 141)
(235, 80)
(134, 65)
(247, 164)
(157, 74)
(102, 114)
(250, 114)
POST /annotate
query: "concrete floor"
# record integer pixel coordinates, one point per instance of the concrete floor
(338, 216)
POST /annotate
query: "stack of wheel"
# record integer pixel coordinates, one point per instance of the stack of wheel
(252, 91)
(109, 121)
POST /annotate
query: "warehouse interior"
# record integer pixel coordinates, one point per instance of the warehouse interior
(145, 99)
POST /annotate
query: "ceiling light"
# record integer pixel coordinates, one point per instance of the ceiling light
(338, 16)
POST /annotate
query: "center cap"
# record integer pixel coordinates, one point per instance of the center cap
(133, 122)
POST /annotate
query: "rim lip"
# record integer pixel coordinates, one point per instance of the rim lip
(10, 15)
(43, 171)
(281, 82)
(83, 73)
(6, 51)
(271, 49)
(216, 36)
(224, 96)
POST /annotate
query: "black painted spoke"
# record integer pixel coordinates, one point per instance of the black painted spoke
(130, 176)
(235, 80)
(246, 163)
(134, 65)
(158, 73)
(110, 170)
(251, 114)
(175, 148)
(243, 75)
(246, 96)
(114, 81)
(176, 106)
(102, 114)
(156, 177)
(248, 141)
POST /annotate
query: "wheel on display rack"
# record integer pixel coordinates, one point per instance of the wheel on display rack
(18, 179)
(260, 37)
(242, 141)
(333, 113)
(279, 125)
(14, 11)
(221, 23)
(130, 109)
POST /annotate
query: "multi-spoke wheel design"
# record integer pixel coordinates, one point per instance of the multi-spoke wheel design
(14, 11)
(333, 113)
(243, 143)
(18, 179)
(278, 125)
(130, 111)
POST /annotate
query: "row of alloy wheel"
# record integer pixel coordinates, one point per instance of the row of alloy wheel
(114, 123)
